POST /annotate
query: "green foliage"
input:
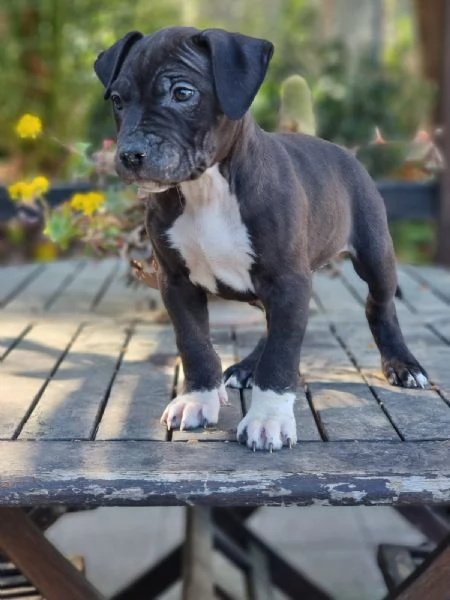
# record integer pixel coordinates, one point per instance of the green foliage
(60, 227)
(297, 51)
(48, 50)
(79, 164)
(383, 160)
(49, 47)
(389, 96)
(414, 241)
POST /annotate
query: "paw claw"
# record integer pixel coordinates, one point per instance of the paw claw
(270, 422)
(407, 375)
(239, 376)
(194, 409)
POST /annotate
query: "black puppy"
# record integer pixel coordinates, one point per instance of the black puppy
(244, 214)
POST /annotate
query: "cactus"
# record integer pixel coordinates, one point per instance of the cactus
(296, 112)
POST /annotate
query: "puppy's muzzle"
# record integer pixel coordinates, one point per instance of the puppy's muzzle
(151, 158)
(132, 159)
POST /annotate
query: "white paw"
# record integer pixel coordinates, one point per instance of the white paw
(195, 409)
(270, 422)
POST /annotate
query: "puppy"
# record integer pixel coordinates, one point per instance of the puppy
(243, 214)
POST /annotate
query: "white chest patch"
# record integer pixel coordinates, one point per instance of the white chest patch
(210, 234)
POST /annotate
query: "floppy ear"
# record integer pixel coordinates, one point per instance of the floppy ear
(109, 62)
(239, 65)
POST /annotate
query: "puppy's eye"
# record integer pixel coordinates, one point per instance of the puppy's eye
(117, 102)
(181, 93)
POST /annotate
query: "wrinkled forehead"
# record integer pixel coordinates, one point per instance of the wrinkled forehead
(166, 50)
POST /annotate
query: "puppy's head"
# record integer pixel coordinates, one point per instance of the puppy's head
(177, 97)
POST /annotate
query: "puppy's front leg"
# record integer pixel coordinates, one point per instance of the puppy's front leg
(204, 390)
(270, 422)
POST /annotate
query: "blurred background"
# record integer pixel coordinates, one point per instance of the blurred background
(373, 69)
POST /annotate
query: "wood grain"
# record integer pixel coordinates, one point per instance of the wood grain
(431, 581)
(144, 473)
(142, 388)
(344, 403)
(72, 399)
(82, 292)
(43, 290)
(198, 580)
(27, 369)
(13, 279)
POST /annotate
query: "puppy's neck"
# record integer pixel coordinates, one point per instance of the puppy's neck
(235, 135)
(210, 186)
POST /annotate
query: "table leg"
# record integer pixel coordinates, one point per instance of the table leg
(53, 575)
(431, 581)
(198, 578)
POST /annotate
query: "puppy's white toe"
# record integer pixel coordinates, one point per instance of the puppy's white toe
(232, 382)
(195, 409)
(270, 422)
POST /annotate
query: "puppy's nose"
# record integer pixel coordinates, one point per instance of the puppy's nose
(132, 158)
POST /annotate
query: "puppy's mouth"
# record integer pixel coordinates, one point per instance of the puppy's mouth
(148, 186)
(152, 187)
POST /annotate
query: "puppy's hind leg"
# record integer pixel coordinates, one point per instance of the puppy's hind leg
(375, 264)
(240, 375)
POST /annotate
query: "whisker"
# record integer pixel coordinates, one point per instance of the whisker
(180, 198)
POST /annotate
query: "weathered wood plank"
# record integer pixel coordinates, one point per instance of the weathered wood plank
(142, 387)
(333, 296)
(198, 574)
(43, 290)
(361, 290)
(14, 278)
(118, 297)
(27, 368)
(419, 294)
(438, 279)
(151, 473)
(431, 581)
(11, 331)
(229, 416)
(307, 429)
(346, 407)
(349, 275)
(80, 294)
(418, 414)
(71, 402)
(259, 584)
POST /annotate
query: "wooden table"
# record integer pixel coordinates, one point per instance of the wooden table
(88, 364)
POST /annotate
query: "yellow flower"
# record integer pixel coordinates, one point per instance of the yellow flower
(27, 191)
(15, 190)
(22, 191)
(77, 201)
(40, 185)
(45, 251)
(87, 203)
(29, 126)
